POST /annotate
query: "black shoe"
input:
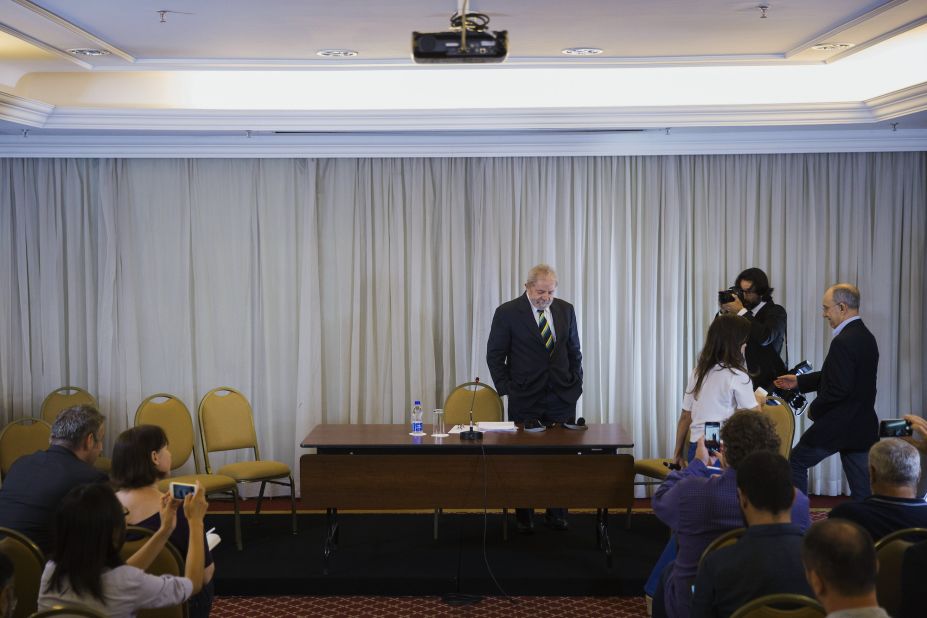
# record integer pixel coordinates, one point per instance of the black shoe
(556, 523)
(524, 526)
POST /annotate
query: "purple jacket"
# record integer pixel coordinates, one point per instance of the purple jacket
(699, 504)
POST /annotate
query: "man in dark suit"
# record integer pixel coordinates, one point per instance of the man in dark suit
(534, 357)
(36, 483)
(767, 326)
(843, 412)
(767, 558)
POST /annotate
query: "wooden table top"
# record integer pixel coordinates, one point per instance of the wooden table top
(386, 437)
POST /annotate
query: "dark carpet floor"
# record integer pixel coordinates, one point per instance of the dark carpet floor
(395, 554)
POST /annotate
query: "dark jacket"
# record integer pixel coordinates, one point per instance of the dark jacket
(521, 366)
(844, 410)
(34, 487)
(764, 347)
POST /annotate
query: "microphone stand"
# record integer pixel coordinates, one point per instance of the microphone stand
(472, 433)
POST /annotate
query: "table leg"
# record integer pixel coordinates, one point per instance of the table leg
(602, 538)
(331, 539)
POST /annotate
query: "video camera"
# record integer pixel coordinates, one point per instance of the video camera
(727, 296)
(792, 396)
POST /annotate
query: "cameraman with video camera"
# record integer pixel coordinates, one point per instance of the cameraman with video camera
(751, 298)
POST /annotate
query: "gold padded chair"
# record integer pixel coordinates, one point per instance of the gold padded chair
(21, 437)
(171, 414)
(68, 612)
(487, 406)
(63, 398)
(782, 605)
(168, 562)
(485, 401)
(227, 423)
(890, 550)
(784, 420)
(728, 538)
(28, 564)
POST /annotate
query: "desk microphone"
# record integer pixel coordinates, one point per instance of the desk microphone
(472, 434)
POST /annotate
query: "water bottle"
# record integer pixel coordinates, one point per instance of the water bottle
(417, 419)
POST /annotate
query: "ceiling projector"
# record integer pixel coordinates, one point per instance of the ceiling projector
(469, 40)
(438, 47)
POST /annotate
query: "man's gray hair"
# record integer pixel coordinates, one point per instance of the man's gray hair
(895, 462)
(73, 424)
(541, 270)
(846, 293)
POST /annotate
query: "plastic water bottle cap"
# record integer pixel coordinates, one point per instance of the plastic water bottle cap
(417, 402)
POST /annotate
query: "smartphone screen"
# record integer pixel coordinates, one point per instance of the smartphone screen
(179, 490)
(713, 435)
(894, 428)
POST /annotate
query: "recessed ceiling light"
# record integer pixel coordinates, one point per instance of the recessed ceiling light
(831, 46)
(80, 51)
(336, 53)
(581, 51)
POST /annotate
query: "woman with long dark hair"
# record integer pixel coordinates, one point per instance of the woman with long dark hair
(140, 459)
(85, 569)
(718, 385)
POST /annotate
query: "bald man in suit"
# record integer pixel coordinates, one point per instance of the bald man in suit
(534, 356)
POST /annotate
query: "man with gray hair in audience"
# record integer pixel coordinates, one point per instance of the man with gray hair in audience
(894, 469)
(36, 483)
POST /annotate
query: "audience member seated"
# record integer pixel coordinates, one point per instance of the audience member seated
(85, 569)
(840, 564)
(7, 590)
(700, 503)
(36, 483)
(767, 558)
(140, 460)
(894, 469)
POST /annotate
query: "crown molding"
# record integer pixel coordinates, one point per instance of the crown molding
(899, 103)
(75, 29)
(467, 144)
(24, 111)
(593, 118)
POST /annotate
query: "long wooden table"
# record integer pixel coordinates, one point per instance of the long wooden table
(383, 467)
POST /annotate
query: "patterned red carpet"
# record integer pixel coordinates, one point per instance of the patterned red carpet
(406, 607)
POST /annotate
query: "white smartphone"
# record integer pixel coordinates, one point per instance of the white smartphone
(179, 490)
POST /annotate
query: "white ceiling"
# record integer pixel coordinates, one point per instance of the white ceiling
(226, 66)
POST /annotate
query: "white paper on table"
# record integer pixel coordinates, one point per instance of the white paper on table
(496, 426)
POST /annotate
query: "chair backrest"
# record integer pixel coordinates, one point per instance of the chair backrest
(74, 612)
(28, 564)
(782, 605)
(784, 420)
(172, 415)
(226, 423)
(22, 437)
(728, 538)
(168, 562)
(62, 399)
(890, 550)
(487, 405)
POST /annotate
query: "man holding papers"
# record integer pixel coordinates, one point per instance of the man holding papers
(534, 357)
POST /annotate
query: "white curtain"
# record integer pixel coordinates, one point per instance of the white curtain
(338, 290)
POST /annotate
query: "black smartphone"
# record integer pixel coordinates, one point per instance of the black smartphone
(894, 428)
(713, 436)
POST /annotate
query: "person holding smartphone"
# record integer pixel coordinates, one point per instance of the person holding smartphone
(141, 459)
(718, 385)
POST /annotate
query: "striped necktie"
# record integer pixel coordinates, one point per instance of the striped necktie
(546, 335)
